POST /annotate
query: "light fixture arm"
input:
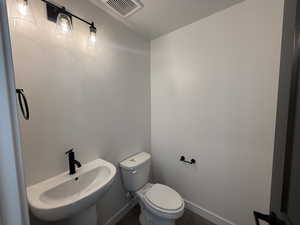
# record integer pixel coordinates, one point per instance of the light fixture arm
(63, 10)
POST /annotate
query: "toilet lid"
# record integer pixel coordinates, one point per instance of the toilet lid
(164, 197)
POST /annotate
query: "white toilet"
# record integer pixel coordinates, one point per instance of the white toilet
(160, 204)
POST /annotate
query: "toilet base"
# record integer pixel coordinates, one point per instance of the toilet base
(148, 218)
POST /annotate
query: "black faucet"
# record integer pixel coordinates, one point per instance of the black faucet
(72, 162)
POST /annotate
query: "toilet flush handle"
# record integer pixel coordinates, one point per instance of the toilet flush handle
(132, 172)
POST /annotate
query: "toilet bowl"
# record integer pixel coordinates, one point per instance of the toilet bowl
(160, 204)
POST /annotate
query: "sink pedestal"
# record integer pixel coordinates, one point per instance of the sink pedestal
(86, 217)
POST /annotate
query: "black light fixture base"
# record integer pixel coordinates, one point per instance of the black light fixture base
(53, 11)
(93, 28)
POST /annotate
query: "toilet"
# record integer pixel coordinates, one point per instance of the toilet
(160, 204)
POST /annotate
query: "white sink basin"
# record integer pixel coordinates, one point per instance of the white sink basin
(64, 195)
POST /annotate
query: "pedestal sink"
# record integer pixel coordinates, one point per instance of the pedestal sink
(64, 195)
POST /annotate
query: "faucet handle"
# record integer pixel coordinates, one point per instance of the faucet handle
(70, 151)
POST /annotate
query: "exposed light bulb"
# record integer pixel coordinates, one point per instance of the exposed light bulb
(22, 14)
(93, 31)
(23, 7)
(93, 37)
(64, 24)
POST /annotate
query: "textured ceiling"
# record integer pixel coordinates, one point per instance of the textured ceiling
(159, 17)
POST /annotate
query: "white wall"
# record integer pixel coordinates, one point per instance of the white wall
(95, 100)
(213, 97)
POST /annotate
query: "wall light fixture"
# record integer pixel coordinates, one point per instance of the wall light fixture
(63, 19)
(63, 22)
(22, 11)
(23, 7)
(93, 31)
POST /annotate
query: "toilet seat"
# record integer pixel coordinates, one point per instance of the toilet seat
(163, 197)
(149, 197)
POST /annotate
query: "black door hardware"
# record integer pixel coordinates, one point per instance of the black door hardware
(270, 219)
(72, 162)
(192, 161)
(23, 103)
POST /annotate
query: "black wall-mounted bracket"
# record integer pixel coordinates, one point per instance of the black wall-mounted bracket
(192, 161)
(53, 11)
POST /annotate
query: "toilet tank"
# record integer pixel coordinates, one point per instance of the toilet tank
(136, 171)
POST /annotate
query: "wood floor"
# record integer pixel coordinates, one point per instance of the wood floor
(188, 218)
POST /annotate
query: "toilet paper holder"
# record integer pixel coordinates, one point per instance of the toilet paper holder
(192, 161)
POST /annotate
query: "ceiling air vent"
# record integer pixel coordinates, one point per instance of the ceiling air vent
(123, 8)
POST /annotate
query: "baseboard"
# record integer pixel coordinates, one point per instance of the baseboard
(218, 220)
(207, 214)
(121, 213)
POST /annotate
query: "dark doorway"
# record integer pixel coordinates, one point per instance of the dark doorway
(285, 198)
